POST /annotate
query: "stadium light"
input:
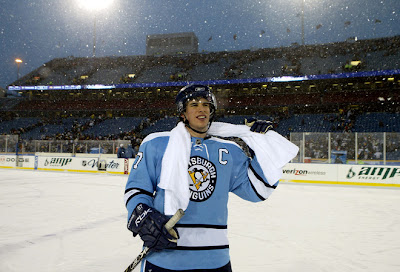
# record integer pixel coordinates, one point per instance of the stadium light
(94, 6)
(18, 61)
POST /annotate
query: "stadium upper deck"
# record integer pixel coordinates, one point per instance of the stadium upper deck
(362, 73)
(334, 58)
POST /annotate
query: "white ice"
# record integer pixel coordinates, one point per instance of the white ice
(58, 221)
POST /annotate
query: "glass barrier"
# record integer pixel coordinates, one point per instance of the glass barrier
(348, 148)
(8, 144)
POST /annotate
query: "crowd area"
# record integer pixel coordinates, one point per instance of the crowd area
(83, 116)
(80, 128)
(363, 146)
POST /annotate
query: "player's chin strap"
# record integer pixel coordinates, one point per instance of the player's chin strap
(186, 122)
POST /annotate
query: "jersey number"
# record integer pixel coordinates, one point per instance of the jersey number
(140, 157)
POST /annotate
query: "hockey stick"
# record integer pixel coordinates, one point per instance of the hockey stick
(169, 225)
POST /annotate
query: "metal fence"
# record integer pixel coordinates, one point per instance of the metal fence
(10, 144)
(348, 148)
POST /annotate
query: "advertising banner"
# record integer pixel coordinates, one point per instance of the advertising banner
(343, 174)
(7, 161)
(55, 163)
(72, 164)
(115, 166)
(369, 174)
(13, 161)
(311, 172)
(83, 164)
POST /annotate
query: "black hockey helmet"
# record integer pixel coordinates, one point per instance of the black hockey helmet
(192, 91)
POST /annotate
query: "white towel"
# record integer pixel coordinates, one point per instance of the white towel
(174, 177)
(272, 151)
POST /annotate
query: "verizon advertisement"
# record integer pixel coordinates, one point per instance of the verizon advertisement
(308, 171)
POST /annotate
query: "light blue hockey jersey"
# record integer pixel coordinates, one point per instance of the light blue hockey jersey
(216, 167)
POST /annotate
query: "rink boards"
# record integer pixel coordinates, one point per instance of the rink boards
(90, 164)
(343, 174)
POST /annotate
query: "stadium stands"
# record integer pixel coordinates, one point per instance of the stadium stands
(7, 104)
(264, 67)
(378, 122)
(164, 124)
(119, 127)
(208, 71)
(313, 105)
(18, 125)
(374, 55)
(114, 126)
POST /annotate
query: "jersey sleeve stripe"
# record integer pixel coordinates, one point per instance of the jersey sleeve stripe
(261, 188)
(255, 190)
(199, 237)
(201, 226)
(200, 248)
(132, 192)
(261, 179)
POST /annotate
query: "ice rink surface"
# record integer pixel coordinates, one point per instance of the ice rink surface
(59, 221)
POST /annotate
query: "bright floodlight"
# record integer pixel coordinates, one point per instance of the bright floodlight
(18, 60)
(94, 4)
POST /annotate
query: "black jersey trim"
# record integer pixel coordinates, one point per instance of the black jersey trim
(201, 226)
(148, 266)
(261, 179)
(140, 192)
(255, 191)
(200, 248)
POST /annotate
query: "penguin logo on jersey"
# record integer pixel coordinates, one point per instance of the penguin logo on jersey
(203, 177)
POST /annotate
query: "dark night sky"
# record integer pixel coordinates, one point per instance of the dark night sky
(39, 30)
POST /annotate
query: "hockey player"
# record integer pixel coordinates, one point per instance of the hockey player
(213, 167)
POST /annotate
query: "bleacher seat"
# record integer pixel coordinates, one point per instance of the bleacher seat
(114, 126)
(7, 103)
(7, 126)
(157, 74)
(264, 68)
(163, 124)
(378, 122)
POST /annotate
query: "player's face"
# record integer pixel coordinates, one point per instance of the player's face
(198, 114)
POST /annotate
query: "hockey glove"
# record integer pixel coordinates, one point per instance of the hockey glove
(260, 126)
(149, 224)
